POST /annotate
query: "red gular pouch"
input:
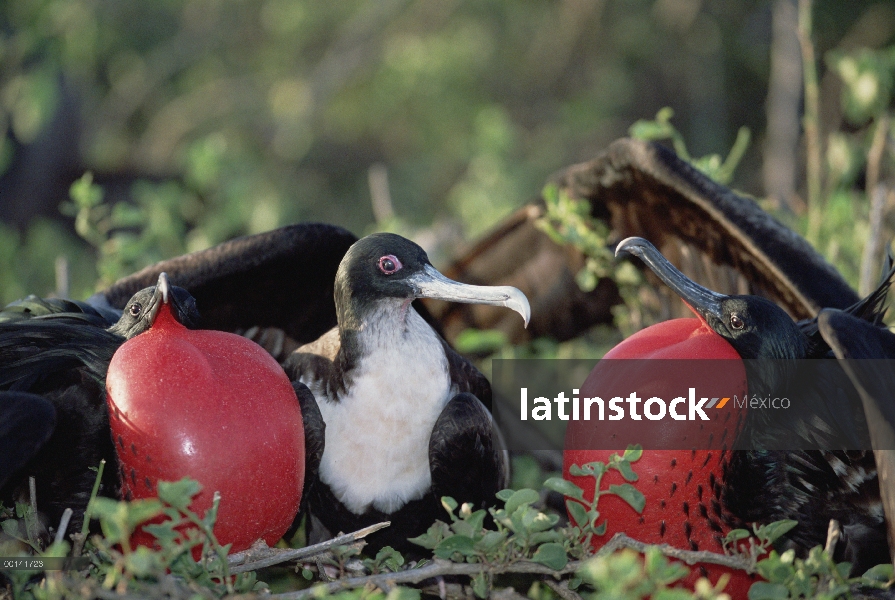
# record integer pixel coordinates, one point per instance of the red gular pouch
(681, 470)
(217, 408)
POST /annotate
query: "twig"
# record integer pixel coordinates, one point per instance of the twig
(833, 534)
(85, 526)
(31, 523)
(63, 525)
(620, 540)
(811, 122)
(562, 590)
(877, 195)
(251, 560)
(431, 570)
(440, 567)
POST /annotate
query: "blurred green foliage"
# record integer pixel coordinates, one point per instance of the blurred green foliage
(847, 223)
(206, 119)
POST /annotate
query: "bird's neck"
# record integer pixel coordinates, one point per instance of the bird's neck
(375, 326)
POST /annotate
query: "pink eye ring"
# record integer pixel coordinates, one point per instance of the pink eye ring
(389, 264)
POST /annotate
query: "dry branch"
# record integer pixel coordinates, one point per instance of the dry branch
(441, 568)
(259, 558)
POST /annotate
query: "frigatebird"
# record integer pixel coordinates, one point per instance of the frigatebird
(53, 360)
(403, 419)
(812, 486)
(866, 353)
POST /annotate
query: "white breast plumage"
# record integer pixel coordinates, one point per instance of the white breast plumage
(377, 433)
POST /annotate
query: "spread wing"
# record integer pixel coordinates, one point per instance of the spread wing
(862, 349)
(716, 236)
(281, 278)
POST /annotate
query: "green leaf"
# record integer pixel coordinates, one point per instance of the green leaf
(597, 467)
(601, 528)
(577, 471)
(10, 527)
(403, 593)
(504, 495)
(480, 585)
(478, 341)
(455, 543)
(881, 573)
(735, 535)
(672, 594)
(542, 522)
(433, 536)
(542, 537)
(577, 512)
(520, 498)
(143, 562)
(477, 520)
(178, 494)
(164, 532)
(564, 487)
(463, 528)
(762, 590)
(449, 504)
(140, 511)
(772, 531)
(551, 555)
(633, 453)
(84, 193)
(491, 540)
(624, 467)
(629, 494)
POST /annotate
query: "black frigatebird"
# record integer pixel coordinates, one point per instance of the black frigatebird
(54, 423)
(403, 419)
(810, 486)
(866, 352)
(640, 188)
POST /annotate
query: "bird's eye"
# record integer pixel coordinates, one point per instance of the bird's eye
(135, 309)
(390, 264)
(736, 322)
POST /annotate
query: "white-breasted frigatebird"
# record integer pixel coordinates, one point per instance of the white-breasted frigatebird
(54, 424)
(403, 419)
(811, 486)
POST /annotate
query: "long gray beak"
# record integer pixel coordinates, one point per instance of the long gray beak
(703, 300)
(160, 296)
(432, 284)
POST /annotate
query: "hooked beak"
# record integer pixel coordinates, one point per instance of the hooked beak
(702, 300)
(432, 284)
(160, 296)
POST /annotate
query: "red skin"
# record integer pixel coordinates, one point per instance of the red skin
(682, 509)
(214, 407)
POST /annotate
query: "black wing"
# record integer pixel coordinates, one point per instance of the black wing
(857, 343)
(466, 453)
(643, 189)
(281, 278)
(34, 351)
(26, 423)
(466, 377)
(58, 309)
(870, 309)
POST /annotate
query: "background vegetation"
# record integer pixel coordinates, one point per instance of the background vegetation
(205, 119)
(135, 131)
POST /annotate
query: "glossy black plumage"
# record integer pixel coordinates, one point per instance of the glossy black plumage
(281, 278)
(53, 360)
(766, 484)
(866, 352)
(638, 188)
(373, 396)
